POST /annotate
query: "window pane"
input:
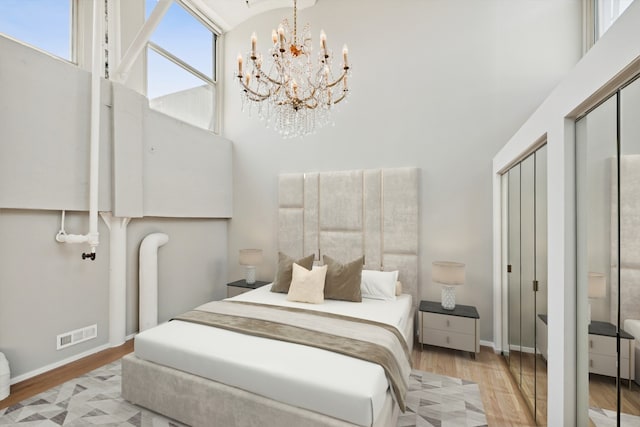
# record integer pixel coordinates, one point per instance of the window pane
(185, 37)
(608, 11)
(178, 93)
(45, 24)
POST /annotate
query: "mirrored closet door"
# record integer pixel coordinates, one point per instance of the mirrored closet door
(526, 264)
(608, 261)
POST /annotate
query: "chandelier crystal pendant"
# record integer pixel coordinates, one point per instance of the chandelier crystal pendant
(294, 93)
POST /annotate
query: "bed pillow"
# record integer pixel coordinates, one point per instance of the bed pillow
(307, 285)
(343, 280)
(398, 288)
(379, 284)
(285, 266)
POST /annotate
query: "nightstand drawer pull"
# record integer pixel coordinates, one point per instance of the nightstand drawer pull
(448, 324)
(590, 343)
(447, 339)
(591, 363)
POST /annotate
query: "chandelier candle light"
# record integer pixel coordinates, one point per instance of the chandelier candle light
(448, 274)
(293, 95)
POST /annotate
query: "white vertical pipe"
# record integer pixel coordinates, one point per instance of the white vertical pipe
(149, 279)
(114, 29)
(117, 277)
(96, 71)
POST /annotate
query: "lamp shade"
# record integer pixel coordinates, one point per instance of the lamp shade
(597, 285)
(447, 273)
(250, 256)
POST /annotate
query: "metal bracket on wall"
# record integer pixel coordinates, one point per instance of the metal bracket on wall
(509, 268)
(535, 286)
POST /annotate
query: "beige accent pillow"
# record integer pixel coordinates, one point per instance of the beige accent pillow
(285, 266)
(398, 288)
(307, 286)
(343, 280)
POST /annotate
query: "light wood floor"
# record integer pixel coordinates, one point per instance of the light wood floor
(42, 382)
(503, 404)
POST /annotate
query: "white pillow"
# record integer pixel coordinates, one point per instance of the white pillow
(379, 284)
(307, 285)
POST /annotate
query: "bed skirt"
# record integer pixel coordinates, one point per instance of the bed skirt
(200, 402)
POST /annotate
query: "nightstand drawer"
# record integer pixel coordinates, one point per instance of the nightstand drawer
(443, 322)
(232, 291)
(606, 365)
(449, 339)
(606, 346)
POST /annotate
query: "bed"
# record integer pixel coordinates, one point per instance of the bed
(204, 376)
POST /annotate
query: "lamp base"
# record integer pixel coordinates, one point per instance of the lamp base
(448, 297)
(251, 275)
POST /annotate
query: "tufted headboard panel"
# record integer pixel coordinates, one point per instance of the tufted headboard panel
(347, 214)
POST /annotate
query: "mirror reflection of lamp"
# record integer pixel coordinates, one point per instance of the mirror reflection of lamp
(597, 288)
(250, 258)
(448, 274)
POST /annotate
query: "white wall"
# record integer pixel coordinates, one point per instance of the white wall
(182, 173)
(614, 57)
(437, 84)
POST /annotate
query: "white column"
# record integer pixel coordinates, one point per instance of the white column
(149, 279)
(117, 277)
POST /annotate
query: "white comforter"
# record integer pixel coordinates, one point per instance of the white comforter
(340, 386)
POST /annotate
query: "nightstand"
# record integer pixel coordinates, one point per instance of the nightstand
(241, 286)
(602, 351)
(458, 329)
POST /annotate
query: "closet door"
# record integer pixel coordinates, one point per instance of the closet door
(541, 279)
(527, 277)
(626, 309)
(596, 178)
(514, 346)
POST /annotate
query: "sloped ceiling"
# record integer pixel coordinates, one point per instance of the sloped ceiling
(229, 13)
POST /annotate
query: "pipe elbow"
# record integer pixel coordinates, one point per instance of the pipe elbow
(153, 241)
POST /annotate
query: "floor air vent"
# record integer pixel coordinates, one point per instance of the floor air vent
(74, 337)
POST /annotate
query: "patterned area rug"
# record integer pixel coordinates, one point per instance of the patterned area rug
(94, 399)
(606, 418)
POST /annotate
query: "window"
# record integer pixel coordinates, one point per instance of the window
(607, 11)
(181, 79)
(45, 24)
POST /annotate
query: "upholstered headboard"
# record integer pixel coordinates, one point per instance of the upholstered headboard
(350, 213)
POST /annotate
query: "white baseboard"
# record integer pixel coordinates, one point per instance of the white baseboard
(489, 344)
(63, 362)
(523, 349)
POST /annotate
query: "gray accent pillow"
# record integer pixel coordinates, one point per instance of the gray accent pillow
(343, 280)
(285, 268)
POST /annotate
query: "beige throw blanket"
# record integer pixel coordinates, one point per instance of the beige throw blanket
(363, 339)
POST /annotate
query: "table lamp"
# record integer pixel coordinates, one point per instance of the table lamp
(597, 288)
(448, 274)
(250, 258)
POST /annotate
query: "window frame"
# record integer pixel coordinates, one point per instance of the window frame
(73, 37)
(216, 34)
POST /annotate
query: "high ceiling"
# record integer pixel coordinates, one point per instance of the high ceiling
(229, 13)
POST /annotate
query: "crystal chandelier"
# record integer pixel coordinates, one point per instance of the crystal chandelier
(293, 93)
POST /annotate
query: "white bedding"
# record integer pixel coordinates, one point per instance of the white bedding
(352, 390)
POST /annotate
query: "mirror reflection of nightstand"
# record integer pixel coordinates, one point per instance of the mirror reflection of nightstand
(241, 286)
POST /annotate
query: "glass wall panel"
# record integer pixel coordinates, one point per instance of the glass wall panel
(45, 24)
(178, 93)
